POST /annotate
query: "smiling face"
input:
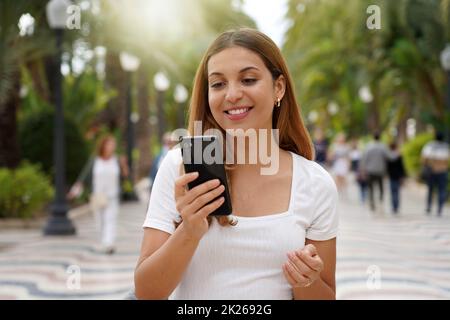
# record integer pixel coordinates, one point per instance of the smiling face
(241, 90)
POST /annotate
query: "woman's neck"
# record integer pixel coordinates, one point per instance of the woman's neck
(252, 152)
(106, 157)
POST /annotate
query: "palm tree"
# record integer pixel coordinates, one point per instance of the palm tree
(16, 50)
(399, 62)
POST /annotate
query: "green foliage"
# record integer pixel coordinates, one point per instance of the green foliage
(127, 187)
(15, 49)
(411, 151)
(36, 141)
(400, 64)
(84, 97)
(24, 191)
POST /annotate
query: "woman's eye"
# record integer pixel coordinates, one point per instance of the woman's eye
(249, 81)
(217, 85)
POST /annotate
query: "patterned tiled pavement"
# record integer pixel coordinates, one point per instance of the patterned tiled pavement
(379, 256)
(36, 267)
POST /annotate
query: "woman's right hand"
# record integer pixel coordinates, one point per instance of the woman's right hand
(192, 204)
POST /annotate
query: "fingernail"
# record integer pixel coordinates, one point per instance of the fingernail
(194, 174)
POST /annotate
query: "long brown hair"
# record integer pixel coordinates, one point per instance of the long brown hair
(293, 135)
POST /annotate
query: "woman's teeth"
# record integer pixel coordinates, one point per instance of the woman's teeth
(237, 111)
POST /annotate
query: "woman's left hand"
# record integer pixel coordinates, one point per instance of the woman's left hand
(303, 266)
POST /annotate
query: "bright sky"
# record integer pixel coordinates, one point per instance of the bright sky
(268, 15)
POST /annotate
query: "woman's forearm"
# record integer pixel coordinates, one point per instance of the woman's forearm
(158, 275)
(319, 290)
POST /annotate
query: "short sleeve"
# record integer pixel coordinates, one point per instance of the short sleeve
(162, 212)
(325, 220)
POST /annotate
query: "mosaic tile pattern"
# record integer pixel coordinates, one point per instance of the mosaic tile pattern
(379, 256)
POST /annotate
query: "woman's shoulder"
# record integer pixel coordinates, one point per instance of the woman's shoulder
(171, 161)
(173, 156)
(311, 173)
(315, 192)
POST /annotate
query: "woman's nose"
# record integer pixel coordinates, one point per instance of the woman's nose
(234, 93)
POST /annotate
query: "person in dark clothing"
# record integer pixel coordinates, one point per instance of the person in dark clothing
(361, 179)
(321, 147)
(168, 142)
(396, 173)
(373, 165)
(436, 155)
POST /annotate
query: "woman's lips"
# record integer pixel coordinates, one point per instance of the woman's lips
(239, 116)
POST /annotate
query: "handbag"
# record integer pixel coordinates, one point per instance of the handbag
(98, 201)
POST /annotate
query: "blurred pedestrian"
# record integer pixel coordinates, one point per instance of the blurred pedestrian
(361, 179)
(340, 159)
(435, 156)
(396, 173)
(320, 146)
(106, 190)
(168, 142)
(373, 164)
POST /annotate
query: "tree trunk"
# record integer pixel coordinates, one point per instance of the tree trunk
(9, 144)
(35, 69)
(435, 96)
(375, 115)
(117, 107)
(143, 125)
(404, 114)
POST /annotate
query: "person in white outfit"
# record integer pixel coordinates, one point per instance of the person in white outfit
(106, 191)
(340, 158)
(280, 242)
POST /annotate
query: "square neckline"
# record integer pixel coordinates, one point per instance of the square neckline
(277, 214)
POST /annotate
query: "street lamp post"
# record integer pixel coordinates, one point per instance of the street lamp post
(180, 97)
(58, 222)
(161, 83)
(445, 61)
(130, 64)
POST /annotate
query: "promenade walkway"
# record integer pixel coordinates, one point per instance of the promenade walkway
(379, 256)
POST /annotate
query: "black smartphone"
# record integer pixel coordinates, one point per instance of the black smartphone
(203, 154)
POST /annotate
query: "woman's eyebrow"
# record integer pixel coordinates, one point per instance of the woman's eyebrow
(242, 70)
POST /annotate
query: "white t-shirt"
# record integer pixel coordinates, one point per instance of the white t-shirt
(105, 174)
(245, 261)
(436, 150)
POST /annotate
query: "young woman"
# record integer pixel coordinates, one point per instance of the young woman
(106, 191)
(284, 243)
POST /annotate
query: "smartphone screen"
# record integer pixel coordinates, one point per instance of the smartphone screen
(203, 154)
